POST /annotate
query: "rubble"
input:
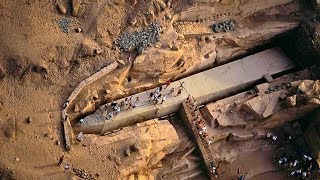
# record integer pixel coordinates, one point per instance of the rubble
(83, 174)
(224, 26)
(64, 24)
(139, 40)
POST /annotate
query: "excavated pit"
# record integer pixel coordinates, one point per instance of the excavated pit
(239, 78)
(257, 138)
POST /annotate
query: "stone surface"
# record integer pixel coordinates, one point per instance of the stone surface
(155, 139)
(212, 86)
(264, 105)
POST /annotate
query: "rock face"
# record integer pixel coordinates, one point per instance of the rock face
(238, 124)
(307, 42)
(247, 24)
(140, 146)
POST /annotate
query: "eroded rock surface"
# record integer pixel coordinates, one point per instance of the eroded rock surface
(147, 142)
(240, 123)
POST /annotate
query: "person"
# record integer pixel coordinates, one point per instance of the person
(110, 116)
(160, 88)
(194, 104)
(113, 103)
(157, 90)
(304, 174)
(195, 109)
(204, 129)
(135, 104)
(115, 107)
(179, 92)
(154, 95)
(167, 84)
(163, 99)
(242, 177)
(137, 99)
(182, 85)
(268, 135)
(60, 160)
(299, 171)
(130, 99)
(158, 98)
(209, 142)
(81, 121)
(188, 98)
(66, 167)
(117, 111)
(171, 91)
(80, 136)
(151, 95)
(122, 104)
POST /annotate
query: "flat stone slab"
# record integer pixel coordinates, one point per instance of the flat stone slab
(204, 87)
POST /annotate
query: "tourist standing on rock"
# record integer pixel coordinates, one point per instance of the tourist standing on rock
(110, 116)
(188, 98)
(130, 99)
(126, 102)
(158, 99)
(117, 111)
(60, 160)
(151, 95)
(66, 167)
(135, 104)
(171, 91)
(163, 99)
(167, 84)
(242, 177)
(113, 103)
(182, 85)
(194, 105)
(157, 90)
(80, 136)
(179, 92)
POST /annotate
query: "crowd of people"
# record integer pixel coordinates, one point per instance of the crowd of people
(297, 164)
(198, 122)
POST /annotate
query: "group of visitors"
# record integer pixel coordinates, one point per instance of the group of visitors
(198, 122)
(157, 97)
(296, 162)
(298, 166)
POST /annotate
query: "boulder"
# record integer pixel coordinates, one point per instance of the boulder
(264, 105)
(62, 9)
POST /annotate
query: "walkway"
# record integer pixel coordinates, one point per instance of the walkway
(204, 87)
